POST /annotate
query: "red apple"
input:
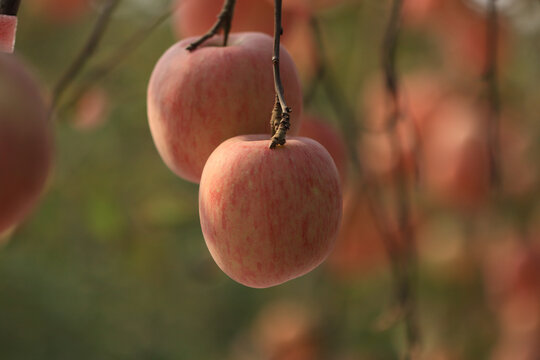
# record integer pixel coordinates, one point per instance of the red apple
(269, 216)
(455, 166)
(25, 142)
(329, 137)
(91, 110)
(198, 99)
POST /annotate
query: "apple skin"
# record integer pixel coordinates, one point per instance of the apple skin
(25, 142)
(198, 99)
(269, 216)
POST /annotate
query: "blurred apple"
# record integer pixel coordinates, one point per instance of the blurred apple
(25, 142)
(518, 164)
(381, 156)
(91, 110)
(59, 11)
(512, 275)
(360, 247)
(455, 160)
(459, 30)
(309, 6)
(328, 136)
(282, 330)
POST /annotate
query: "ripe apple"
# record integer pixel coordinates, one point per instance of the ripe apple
(25, 142)
(455, 166)
(328, 136)
(198, 99)
(269, 216)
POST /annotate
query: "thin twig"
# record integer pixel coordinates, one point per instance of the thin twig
(85, 53)
(335, 95)
(279, 136)
(404, 291)
(224, 22)
(123, 51)
(491, 78)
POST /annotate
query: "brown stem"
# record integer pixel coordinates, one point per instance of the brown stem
(9, 7)
(123, 51)
(408, 258)
(84, 54)
(491, 78)
(279, 137)
(224, 22)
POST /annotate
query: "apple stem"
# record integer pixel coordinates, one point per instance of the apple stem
(491, 78)
(9, 7)
(279, 134)
(276, 116)
(401, 247)
(224, 22)
(84, 54)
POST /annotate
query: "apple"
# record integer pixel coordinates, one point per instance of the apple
(198, 99)
(455, 157)
(269, 216)
(91, 110)
(328, 136)
(25, 142)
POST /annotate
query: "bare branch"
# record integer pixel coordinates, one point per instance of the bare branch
(408, 258)
(123, 51)
(84, 54)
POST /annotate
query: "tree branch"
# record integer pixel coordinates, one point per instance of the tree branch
(123, 51)
(224, 22)
(84, 54)
(280, 134)
(404, 291)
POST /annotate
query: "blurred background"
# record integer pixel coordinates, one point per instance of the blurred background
(113, 265)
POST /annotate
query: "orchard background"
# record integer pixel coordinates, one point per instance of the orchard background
(113, 264)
